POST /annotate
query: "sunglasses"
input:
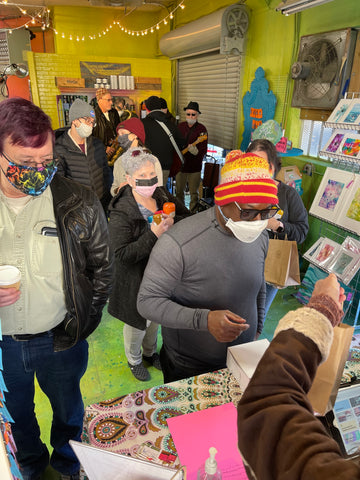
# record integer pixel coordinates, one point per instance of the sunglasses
(191, 114)
(248, 214)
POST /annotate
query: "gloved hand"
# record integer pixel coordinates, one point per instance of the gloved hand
(193, 149)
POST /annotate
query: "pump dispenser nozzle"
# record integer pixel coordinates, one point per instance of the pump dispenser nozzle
(210, 470)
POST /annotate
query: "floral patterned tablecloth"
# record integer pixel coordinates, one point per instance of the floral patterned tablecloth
(122, 424)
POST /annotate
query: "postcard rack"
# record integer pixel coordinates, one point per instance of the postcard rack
(343, 147)
(338, 234)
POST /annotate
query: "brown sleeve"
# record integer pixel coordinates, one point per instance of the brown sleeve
(278, 435)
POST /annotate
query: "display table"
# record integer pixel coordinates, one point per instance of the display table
(122, 424)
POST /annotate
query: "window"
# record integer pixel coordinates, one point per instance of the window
(313, 137)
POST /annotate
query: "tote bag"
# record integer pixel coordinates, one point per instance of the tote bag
(323, 392)
(282, 263)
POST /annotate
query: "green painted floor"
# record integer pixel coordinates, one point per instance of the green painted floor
(108, 375)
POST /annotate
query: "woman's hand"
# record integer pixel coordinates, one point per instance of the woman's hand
(331, 287)
(163, 226)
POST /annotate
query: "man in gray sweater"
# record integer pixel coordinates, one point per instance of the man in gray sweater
(204, 282)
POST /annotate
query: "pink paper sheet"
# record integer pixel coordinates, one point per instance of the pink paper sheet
(194, 433)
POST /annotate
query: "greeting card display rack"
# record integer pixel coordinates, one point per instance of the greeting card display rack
(338, 234)
(343, 147)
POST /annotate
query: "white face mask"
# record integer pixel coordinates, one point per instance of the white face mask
(84, 130)
(246, 232)
(190, 121)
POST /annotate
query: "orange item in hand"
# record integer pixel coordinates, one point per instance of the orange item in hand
(157, 217)
(169, 209)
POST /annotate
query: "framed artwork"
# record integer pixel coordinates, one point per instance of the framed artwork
(334, 142)
(344, 265)
(340, 110)
(325, 252)
(352, 114)
(310, 253)
(349, 215)
(331, 194)
(350, 145)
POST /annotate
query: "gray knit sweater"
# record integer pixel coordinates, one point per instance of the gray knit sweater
(196, 267)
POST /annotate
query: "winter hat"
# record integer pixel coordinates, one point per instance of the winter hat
(163, 103)
(134, 125)
(193, 106)
(245, 178)
(153, 103)
(80, 109)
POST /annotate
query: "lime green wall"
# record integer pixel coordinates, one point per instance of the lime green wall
(83, 22)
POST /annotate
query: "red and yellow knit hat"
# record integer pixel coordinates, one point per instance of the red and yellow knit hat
(245, 178)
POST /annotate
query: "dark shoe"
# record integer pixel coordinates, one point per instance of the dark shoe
(154, 360)
(140, 372)
(74, 476)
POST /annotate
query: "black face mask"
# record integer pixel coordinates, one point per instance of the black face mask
(146, 183)
(123, 141)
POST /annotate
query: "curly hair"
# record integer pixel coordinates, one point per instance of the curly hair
(135, 158)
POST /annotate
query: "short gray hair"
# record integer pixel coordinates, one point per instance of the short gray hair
(135, 158)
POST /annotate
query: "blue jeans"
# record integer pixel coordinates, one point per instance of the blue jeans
(270, 295)
(58, 374)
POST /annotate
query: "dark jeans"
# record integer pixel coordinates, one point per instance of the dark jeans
(58, 374)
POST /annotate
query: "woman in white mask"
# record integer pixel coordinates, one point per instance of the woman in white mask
(81, 156)
(133, 233)
(245, 200)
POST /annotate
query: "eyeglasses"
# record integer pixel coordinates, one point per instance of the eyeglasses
(89, 121)
(50, 162)
(191, 114)
(249, 214)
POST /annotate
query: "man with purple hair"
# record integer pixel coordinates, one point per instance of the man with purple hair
(55, 232)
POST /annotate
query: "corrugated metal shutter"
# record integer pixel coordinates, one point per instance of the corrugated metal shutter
(212, 80)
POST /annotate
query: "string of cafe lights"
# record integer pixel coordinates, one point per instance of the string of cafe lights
(164, 21)
(41, 15)
(37, 16)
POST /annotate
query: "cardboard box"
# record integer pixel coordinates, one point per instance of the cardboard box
(69, 82)
(242, 360)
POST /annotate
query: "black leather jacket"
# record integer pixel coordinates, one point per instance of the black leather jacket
(87, 259)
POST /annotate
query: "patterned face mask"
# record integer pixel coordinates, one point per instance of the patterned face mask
(30, 180)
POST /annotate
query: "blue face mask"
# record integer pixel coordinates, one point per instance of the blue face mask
(30, 180)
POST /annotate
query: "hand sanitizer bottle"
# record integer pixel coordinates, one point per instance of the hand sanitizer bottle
(209, 471)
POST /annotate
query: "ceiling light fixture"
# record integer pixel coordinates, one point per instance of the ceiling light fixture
(287, 7)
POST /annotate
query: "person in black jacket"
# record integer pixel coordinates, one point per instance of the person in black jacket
(133, 237)
(55, 231)
(157, 139)
(81, 156)
(107, 119)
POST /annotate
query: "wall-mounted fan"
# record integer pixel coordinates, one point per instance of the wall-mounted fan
(324, 63)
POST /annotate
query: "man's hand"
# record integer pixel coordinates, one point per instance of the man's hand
(330, 286)
(8, 296)
(193, 149)
(226, 326)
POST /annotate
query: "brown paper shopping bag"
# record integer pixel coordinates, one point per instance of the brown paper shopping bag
(323, 392)
(282, 263)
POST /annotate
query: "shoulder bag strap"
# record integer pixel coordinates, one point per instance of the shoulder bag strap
(172, 140)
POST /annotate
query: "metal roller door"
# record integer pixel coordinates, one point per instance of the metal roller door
(212, 80)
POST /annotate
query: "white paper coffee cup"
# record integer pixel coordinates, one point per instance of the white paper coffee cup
(9, 277)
